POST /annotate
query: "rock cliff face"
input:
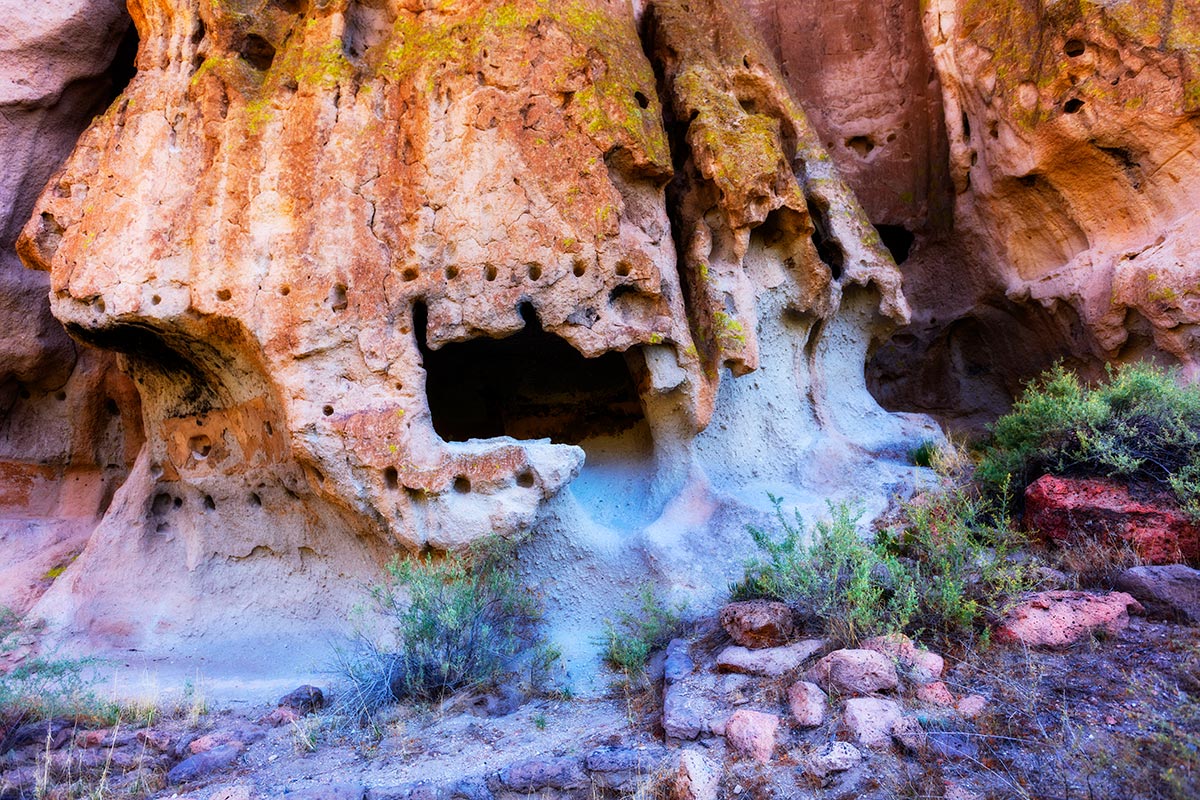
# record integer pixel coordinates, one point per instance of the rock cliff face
(69, 421)
(1073, 158)
(389, 275)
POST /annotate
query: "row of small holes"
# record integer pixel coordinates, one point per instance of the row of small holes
(490, 272)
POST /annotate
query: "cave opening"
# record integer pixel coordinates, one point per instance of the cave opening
(530, 385)
(898, 240)
(124, 65)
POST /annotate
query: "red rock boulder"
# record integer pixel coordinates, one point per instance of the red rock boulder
(1064, 509)
(1061, 618)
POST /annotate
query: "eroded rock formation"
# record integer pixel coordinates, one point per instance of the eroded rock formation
(1073, 148)
(69, 421)
(391, 275)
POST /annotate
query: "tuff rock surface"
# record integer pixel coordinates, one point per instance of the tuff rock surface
(393, 276)
(346, 278)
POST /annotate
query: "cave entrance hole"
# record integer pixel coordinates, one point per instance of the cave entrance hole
(531, 385)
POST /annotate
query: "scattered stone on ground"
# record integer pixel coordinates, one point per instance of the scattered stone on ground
(697, 778)
(807, 703)
(771, 662)
(758, 623)
(752, 733)
(854, 672)
(1169, 591)
(869, 720)
(1060, 618)
(831, 758)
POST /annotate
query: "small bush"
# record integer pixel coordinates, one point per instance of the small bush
(41, 687)
(852, 588)
(633, 637)
(1141, 425)
(457, 621)
(944, 569)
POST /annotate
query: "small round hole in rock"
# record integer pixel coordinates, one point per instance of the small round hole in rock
(285, 290)
(257, 52)
(525, 479)
(642, 100)
(1074, 48)
(490, 272)
(391, 478)
(410, 274)
(155, 300)
(60, 396)
(863, 145)
(535, 272)
(462, 484)
(580, 268)
(209, 503)
(337, 297)
(178, 503)
(268, 428)
(255, 500)
(200, 446)
(111, 407)
(623, 268)
(224, 294)
(1073, 105)
(451, 273)
(327, 411)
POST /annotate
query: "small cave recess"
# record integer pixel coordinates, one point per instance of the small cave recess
(531, 385)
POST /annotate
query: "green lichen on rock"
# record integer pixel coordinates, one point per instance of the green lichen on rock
(428, 49)
(1025, 41)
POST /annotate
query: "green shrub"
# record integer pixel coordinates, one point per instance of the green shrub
(632, 637)
(943, 569)
(1142, 424)
(41, 687)
(456, 621)
(853, 588)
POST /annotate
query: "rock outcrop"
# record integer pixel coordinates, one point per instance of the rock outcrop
(1073, 159)
(386, 274)
(70, 423)
(349, 278)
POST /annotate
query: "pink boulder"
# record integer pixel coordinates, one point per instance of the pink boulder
(1061, 618)
(922, 665)
(1064, 509)
(808, 703)
(854, 672)
(752, 733)
(758, 623)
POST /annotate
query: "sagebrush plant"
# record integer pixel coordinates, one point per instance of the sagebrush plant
(1142, 424)
(943, 570)
(632, 637)
(853, 588)
(457, 620)
(39, 687)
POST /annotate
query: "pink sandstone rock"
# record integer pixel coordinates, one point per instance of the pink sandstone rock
(752, 734)
(807, 703)
(1061, 618)
(854, 672)
(936, 694)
